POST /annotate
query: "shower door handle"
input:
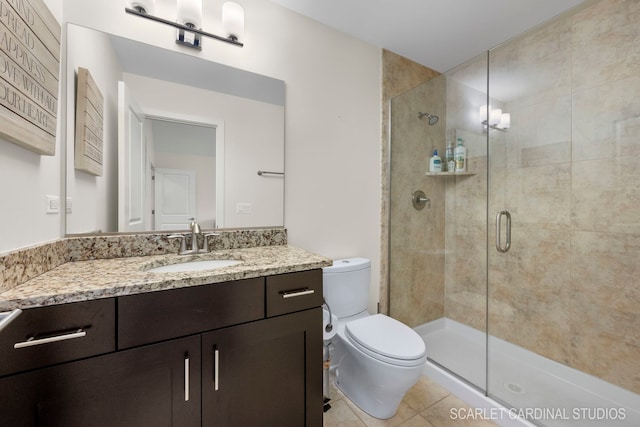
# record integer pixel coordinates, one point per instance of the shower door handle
(507, 244)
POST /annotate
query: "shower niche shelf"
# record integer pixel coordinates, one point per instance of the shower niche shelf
(449, 174)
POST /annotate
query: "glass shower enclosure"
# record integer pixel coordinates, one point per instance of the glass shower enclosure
(523, 273)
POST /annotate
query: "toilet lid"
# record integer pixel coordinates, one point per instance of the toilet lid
(381, 335)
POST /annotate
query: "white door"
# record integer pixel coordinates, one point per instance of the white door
(175, 198)
(132, 160)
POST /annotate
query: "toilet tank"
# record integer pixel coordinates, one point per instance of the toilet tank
(346, 286)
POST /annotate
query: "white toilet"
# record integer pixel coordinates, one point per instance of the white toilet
(377, 359)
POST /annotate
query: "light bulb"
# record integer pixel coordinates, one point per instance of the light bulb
(494, 116)
(190, 13)
(505, 121)
(482, 115)
(144, 6)
(233, 20)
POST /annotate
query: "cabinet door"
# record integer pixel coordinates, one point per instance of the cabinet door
(157, 385)
(264, 374)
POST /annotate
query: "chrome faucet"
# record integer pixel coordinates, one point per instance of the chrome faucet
(196, 231)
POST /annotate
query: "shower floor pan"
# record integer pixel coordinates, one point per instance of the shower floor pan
(551, 394)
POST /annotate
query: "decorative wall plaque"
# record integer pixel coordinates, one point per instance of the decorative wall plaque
(89, 124)
(29, 74)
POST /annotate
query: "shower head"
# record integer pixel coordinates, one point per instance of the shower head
(432, 119)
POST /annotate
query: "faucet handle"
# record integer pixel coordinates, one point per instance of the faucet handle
(183, 242)
(205, 245)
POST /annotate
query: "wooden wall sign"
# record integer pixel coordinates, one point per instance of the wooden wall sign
(29, 74)
(89, 124)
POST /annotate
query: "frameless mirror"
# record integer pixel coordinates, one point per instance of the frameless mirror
(178, 137)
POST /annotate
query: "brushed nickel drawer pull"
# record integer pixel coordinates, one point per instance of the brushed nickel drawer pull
(216, 370)
(186, 378)
(297, 293)
(32, 342)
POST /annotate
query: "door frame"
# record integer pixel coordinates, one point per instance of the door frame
(128, 107)
(217, 124)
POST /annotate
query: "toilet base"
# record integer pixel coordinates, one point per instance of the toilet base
(374, 389)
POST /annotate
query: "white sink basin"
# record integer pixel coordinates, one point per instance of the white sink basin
(202, 265)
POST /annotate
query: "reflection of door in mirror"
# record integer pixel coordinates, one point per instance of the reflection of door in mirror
(169, 169)
(175, 198)
(132, 160)
(191, 153)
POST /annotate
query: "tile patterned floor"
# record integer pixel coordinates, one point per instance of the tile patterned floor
(427, 404)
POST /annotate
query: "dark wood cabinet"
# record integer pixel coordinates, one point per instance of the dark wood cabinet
(59, 333)
(245, 353)
(156, 385)
(264, 374)
(179, 312)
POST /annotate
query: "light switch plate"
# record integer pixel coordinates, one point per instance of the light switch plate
(244, 208)
(53, 204)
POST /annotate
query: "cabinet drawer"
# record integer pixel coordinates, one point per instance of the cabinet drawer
(157, 316)
(291, 292)
(47, 335)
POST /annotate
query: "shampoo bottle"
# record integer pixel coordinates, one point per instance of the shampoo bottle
(460, 155)
(435, 163)
(451, 163)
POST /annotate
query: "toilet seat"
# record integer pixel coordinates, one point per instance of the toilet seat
(386, 340)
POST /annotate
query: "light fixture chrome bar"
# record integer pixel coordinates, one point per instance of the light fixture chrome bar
(494, 127)
(183, 27)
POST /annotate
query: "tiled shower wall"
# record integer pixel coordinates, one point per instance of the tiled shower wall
(568, 170)
(417, 236)
(399, 75)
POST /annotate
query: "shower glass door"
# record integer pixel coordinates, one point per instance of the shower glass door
(563, 322)
(460, 346)
(438, 253)
(530, 289)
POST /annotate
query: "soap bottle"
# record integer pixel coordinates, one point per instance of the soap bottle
(451, 163)
(460, 155)
(435, 163)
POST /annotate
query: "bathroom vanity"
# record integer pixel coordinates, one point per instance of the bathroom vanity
(193, 349)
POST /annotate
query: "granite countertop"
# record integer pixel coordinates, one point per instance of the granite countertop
(104, 278)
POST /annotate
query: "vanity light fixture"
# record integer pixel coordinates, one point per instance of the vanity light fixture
(189, 21)
(494, 118)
